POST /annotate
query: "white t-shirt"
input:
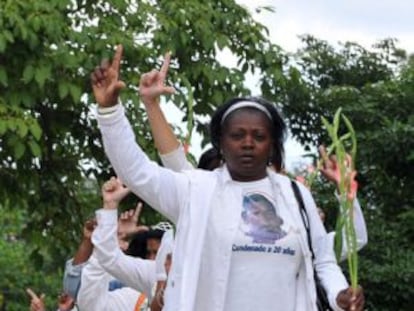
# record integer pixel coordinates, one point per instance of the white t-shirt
(266, 254)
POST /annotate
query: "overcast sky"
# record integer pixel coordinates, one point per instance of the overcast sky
(362, 21)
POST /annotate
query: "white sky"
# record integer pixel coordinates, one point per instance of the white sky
(362, 21)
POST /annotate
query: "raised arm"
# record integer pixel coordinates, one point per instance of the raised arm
(151, 87)
(73, 268)
(136, 273)
(164, 190)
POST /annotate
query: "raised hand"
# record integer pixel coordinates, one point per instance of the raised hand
(127, 222)
(37, 302)
(105, 80)
(330, 169)
(152, 84)
(351, 300)
(113, 191)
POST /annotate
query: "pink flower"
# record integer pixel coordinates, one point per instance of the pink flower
(186, 146)
(353, 186)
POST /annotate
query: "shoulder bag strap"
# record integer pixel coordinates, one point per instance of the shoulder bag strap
(303, 214)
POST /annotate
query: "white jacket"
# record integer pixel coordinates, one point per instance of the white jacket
(177, 161)
(134, 272)
(186, 198)
(108, 262)
(94, 295)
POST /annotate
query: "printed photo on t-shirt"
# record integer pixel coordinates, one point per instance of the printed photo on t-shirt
(260, 220)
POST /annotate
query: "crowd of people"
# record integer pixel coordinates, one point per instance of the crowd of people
(240, 242)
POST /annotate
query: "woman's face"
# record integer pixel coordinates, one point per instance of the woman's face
(246, 144)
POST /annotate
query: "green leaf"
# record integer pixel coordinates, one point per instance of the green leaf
(22, 129)
(3, 76)
(42, 74)
(336, 122)
(19, 150)
(222, 41)
(35, 148)
(3, 127)
(36, 130)
(2, 44)
(353, 137)
(75, 92)
(63, 89)
(8, 35)
(28, 74)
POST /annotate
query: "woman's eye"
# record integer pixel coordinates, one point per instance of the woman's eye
(236, 135)
(260, 137)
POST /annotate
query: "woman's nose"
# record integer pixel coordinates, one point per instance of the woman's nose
(248, 142)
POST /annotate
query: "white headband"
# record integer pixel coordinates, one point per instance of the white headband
(244, 104)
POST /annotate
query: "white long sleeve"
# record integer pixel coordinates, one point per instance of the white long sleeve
(136, 273)
(94, 294)
(176, 160)
(144, 177)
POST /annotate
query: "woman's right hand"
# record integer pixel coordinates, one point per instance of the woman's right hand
(105, 80)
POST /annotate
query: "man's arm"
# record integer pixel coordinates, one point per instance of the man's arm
(74, 266)
(86, 247)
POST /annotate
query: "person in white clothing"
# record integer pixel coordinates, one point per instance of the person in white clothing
(215, 265)
(173, 156)
(103, 267)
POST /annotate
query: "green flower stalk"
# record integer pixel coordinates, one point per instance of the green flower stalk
(347, 190)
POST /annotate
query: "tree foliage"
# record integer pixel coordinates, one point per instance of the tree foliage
(375, 89)
(52, 159)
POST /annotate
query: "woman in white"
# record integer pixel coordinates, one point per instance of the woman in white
(215, 265)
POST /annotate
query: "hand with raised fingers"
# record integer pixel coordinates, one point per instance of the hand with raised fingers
(37, 302)
(330, 169)
(105, 80)
(113, 191)
(128, 222)
(152, 84)
(351, 300)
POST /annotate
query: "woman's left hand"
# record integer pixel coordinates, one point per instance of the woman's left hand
(351, 300)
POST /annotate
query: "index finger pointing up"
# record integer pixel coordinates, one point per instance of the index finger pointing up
(165, 65)
(117, 58)
(31, 293)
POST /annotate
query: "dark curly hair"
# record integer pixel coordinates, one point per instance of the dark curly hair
(209, 159)
(278, 130)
